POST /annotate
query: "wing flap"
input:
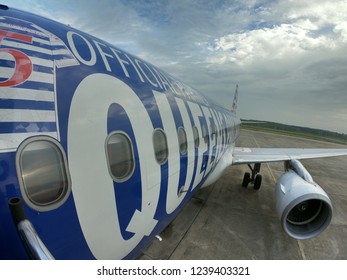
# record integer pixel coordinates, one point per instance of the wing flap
(262, 155)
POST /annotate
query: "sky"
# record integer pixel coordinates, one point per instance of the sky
(289, 58)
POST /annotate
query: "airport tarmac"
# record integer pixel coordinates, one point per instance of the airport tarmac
(227, 221)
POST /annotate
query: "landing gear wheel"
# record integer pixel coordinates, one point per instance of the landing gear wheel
(254, 178)
(246, 179)
(257, 182)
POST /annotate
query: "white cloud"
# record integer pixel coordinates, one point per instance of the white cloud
(274, 43)
(324, 11)
(341, 28)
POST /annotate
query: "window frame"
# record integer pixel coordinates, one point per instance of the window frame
(182, 151)
(166, 144)
(131, 172)
(196, 137)
(43, 207)
(205, 133)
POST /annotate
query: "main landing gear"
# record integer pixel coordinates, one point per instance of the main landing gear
(253, 177)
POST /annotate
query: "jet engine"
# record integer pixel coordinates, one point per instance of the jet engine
(304, 208)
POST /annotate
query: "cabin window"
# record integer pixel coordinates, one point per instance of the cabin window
(43, 173)
(204, 133)
(196, 137)
(120, 156)
(212, 132)
(182, 140)
(160, 146)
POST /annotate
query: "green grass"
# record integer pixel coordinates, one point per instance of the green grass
(295, 134)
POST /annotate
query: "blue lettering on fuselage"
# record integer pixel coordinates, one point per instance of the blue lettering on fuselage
(160, 93)
(113, 91)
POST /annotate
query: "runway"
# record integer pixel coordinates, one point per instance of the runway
(227, 221)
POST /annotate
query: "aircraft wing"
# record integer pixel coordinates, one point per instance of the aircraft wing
(262, 155)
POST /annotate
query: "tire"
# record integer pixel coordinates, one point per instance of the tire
(246, 179)
(257, 182)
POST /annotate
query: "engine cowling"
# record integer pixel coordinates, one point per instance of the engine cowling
(304, 208)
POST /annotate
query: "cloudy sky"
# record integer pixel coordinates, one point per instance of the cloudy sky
(289, 57)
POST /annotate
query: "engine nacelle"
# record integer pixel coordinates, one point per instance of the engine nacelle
(303, 206)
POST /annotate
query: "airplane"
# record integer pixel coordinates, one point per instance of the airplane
(100, 150)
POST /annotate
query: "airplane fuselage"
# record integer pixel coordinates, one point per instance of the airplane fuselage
(103, 148)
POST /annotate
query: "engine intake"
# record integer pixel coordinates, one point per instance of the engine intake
(304, 208)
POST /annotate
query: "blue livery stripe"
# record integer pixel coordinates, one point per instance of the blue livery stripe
(24, 127)
(42, 69)
(36, 68)
(37, 86)
(45, 53)
(26, 104)
(26, 29)
(49, 57)
(40, 52)
(36, 54)
(7, 63)
(24, 47)
(41, 43)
